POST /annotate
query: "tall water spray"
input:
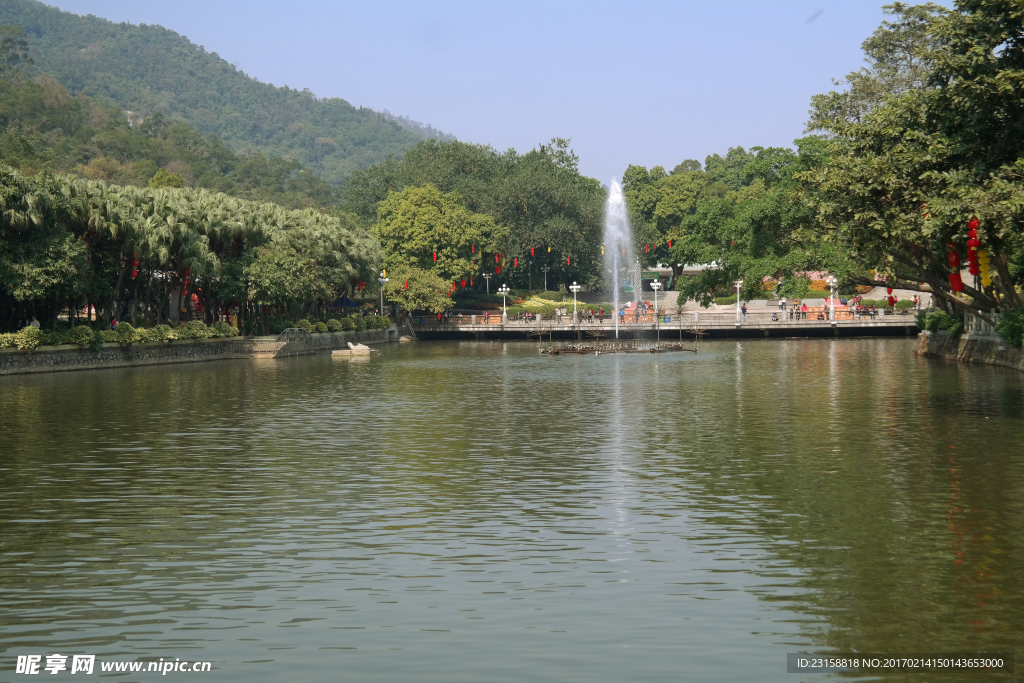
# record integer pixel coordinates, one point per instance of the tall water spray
(618, 244)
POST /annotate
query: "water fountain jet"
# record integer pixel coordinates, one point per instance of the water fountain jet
(618, 244)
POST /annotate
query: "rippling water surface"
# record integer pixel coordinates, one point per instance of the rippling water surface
(477, 511)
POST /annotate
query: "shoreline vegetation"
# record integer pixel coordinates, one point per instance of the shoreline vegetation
(908, 178)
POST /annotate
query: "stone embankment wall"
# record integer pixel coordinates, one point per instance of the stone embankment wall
(71, 357)
(969, 349)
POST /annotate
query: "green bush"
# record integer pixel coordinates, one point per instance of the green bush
(725, 300)
(279, 326)
(551, 296)
(938, 320)
(108, 335)
(8, 340)
(306, 325)
(360, 324)
(161, 333)
(124, 333)
(1011, 327)
(222, 329)
(81, 335)
(335, 325)
(385, 322)
(905, 304)
(320, 327)
(28, 338)
(194, 329)
(348, 324)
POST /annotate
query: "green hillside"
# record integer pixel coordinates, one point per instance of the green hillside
(147, 69)
(45, 127)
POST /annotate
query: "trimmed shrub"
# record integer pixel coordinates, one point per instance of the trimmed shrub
(28, 338)
(347, 324)
(1011, 327)
(360, 324)
(108, 336)
(222, 329)
(81, 335)
(320, 327)
(194, 329)
(7, 340)
(306, 325)
(939, 320)
(124, 333)
(161, 333)
(335, 325)
(551, 296)
(905, 304)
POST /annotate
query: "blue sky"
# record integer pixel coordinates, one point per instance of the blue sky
(649, 83)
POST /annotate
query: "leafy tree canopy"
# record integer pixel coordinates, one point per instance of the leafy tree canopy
(423, 227)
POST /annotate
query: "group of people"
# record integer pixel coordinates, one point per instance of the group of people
(638, 311)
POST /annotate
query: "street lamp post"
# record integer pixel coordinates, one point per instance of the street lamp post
(504, 290)
(488, 276)
(656, 285)
(832, 297)
(739, 283)
(546, 269)
(383, 280)
(575, 288)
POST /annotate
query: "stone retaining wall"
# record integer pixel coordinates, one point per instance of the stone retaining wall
(969, 349)
(72, 357)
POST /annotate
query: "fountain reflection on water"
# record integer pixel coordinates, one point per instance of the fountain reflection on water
(618, 242)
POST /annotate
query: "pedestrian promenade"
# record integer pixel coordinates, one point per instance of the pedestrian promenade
(719, 324)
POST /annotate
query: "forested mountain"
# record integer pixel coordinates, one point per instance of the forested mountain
(45, 127)
(147, 69)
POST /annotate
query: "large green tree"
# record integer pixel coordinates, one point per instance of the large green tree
(905, 178)
(433, 230)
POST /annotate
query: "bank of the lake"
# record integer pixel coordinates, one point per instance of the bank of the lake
(111, 355)
(980, 350)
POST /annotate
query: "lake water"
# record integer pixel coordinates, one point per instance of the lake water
(480, 512)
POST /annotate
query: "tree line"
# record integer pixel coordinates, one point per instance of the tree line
(923, 140)
(150, 254)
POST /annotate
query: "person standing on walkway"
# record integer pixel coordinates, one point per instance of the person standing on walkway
(600, 313)
(803, 311)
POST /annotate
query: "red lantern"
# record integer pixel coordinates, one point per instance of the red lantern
(435, 257)
(568, 260)
(463, 282)
(953, 257)
(974, 269)
(623, 251)
(135, 272)
(670, 244)
(955, 283)
(497, 258)
(515, 262)
(973, 224)
(973, 243)
(888, 290)
(472, 249)
(406, 285)
(497, 270)
(531, 251)
(470, 280)
(892, 301)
